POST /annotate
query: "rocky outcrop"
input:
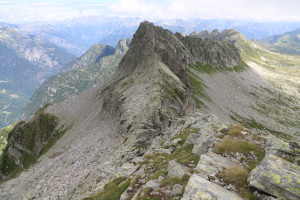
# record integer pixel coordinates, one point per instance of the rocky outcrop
(27, 141)
(156, 49)
(277, 177)
(227, 35)
(278, 173)
(210, 164)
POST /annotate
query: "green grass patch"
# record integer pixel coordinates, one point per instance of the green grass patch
(4, 135)
(228, 145)
(162, 172)
(289, 159)
(237, 176)
(112, 190)
(236, 130)
(168, 181)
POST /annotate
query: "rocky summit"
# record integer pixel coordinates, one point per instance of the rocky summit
(163, 126)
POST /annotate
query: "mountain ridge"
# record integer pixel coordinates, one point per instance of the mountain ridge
(133, 123)
(139, 101)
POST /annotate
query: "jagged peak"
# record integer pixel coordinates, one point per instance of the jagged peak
(227, 35)
(176, 51)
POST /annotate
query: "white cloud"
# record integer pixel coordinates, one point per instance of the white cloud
(48, 10)
(18, 11)
(262, 10)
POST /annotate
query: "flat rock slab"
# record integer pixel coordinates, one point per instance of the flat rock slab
(277, 177)
(211, 163)
(200, 189)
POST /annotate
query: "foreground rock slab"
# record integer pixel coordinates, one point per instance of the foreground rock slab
(277, 177)
(199, 188)
(177, 170)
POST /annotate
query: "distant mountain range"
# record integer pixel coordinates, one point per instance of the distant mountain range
(286, 43)
(77, 35)
(25, 62)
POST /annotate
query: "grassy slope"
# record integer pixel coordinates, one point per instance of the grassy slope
(283, 72)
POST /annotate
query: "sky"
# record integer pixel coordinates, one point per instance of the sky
(20, 11)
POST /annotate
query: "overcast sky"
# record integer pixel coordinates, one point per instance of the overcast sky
(20, 11)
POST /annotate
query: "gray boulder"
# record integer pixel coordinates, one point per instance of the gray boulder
(204, 141)
(200, 188)
(277, 177)
(177, 170)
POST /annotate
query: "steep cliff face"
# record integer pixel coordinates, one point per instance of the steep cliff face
(113, 123)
